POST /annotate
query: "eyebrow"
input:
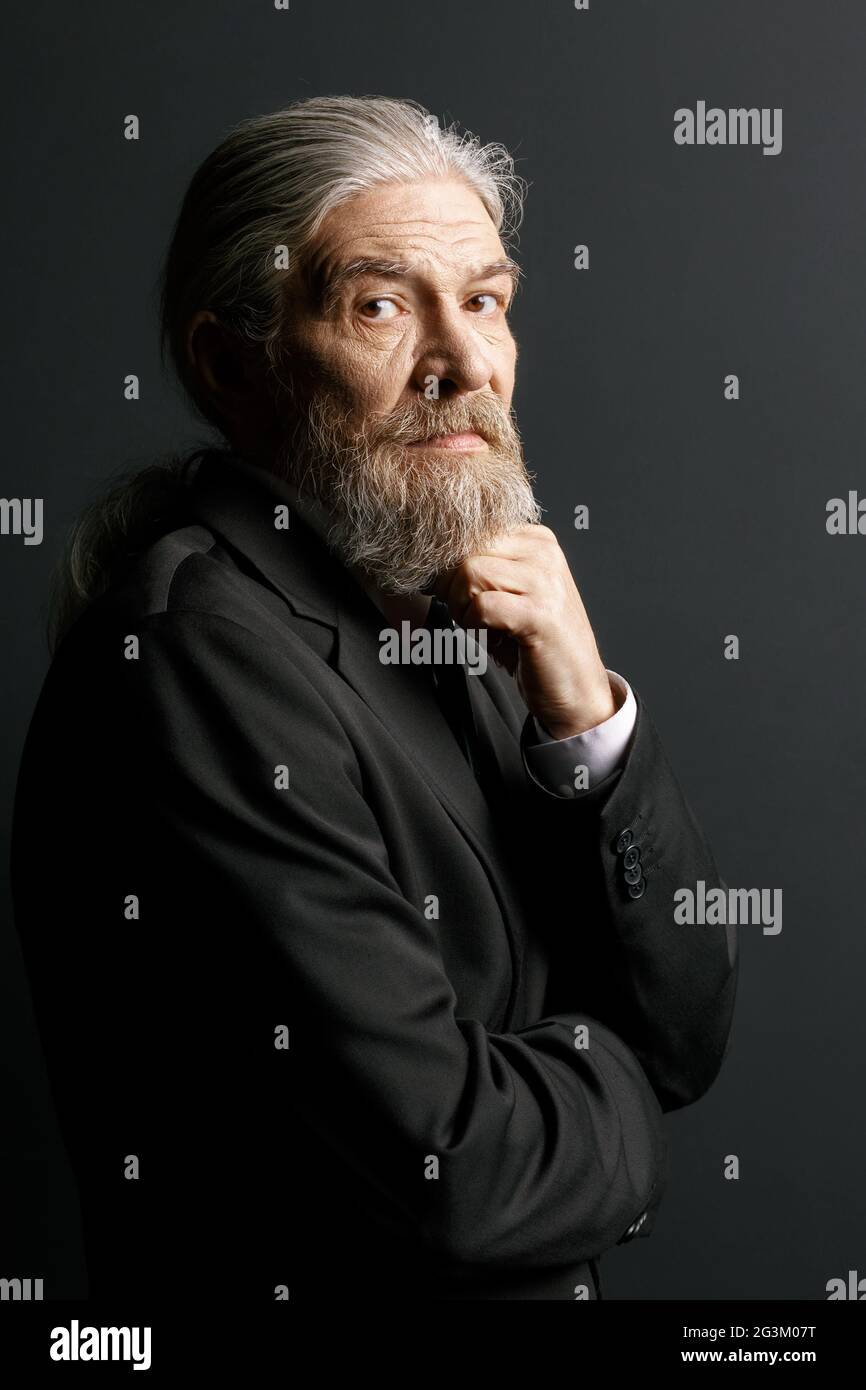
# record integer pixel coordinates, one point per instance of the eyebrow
(332, 284)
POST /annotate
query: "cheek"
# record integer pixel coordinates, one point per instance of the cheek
(504, 367)
(373, 368)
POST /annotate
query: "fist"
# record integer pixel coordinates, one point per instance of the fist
(521, 590)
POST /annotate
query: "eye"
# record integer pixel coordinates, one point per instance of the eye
(487, 310)
(387, 303)
(495, 302)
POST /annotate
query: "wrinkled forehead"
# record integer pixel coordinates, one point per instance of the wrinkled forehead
(438, 229)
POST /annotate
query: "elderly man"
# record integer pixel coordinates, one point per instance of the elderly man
(357, 979)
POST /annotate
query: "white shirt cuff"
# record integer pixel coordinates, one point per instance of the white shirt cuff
(556, 763)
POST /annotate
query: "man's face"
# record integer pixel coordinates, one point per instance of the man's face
(400, 376)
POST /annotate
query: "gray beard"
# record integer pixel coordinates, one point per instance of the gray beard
(403, 516)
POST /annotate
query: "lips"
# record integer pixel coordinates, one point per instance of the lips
(465, 439)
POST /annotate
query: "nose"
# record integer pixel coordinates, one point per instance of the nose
(452, 352)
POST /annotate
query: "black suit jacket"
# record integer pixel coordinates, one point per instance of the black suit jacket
(438, 1127)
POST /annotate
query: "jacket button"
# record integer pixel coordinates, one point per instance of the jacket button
(623, 840)
(637, 890)
(631, 857)
(633, 1229)
(633, 875)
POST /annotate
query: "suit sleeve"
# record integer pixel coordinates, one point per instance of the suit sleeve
(667, 989)
(546, 1151)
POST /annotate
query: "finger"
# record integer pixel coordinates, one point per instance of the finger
(479, 574)
(514, 614)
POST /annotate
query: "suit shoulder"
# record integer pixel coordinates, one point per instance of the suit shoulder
(187, 570)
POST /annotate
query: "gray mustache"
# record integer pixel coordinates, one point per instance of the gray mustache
(491, 425)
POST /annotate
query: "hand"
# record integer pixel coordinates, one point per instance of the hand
(521, 589)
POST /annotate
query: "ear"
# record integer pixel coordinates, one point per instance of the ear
(221, 366)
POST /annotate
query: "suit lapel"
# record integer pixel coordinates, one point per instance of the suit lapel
(403, 697)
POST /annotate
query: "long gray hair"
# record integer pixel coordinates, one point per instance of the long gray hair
(269, 184)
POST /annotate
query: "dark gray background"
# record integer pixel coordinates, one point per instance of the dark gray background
(707, 516)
